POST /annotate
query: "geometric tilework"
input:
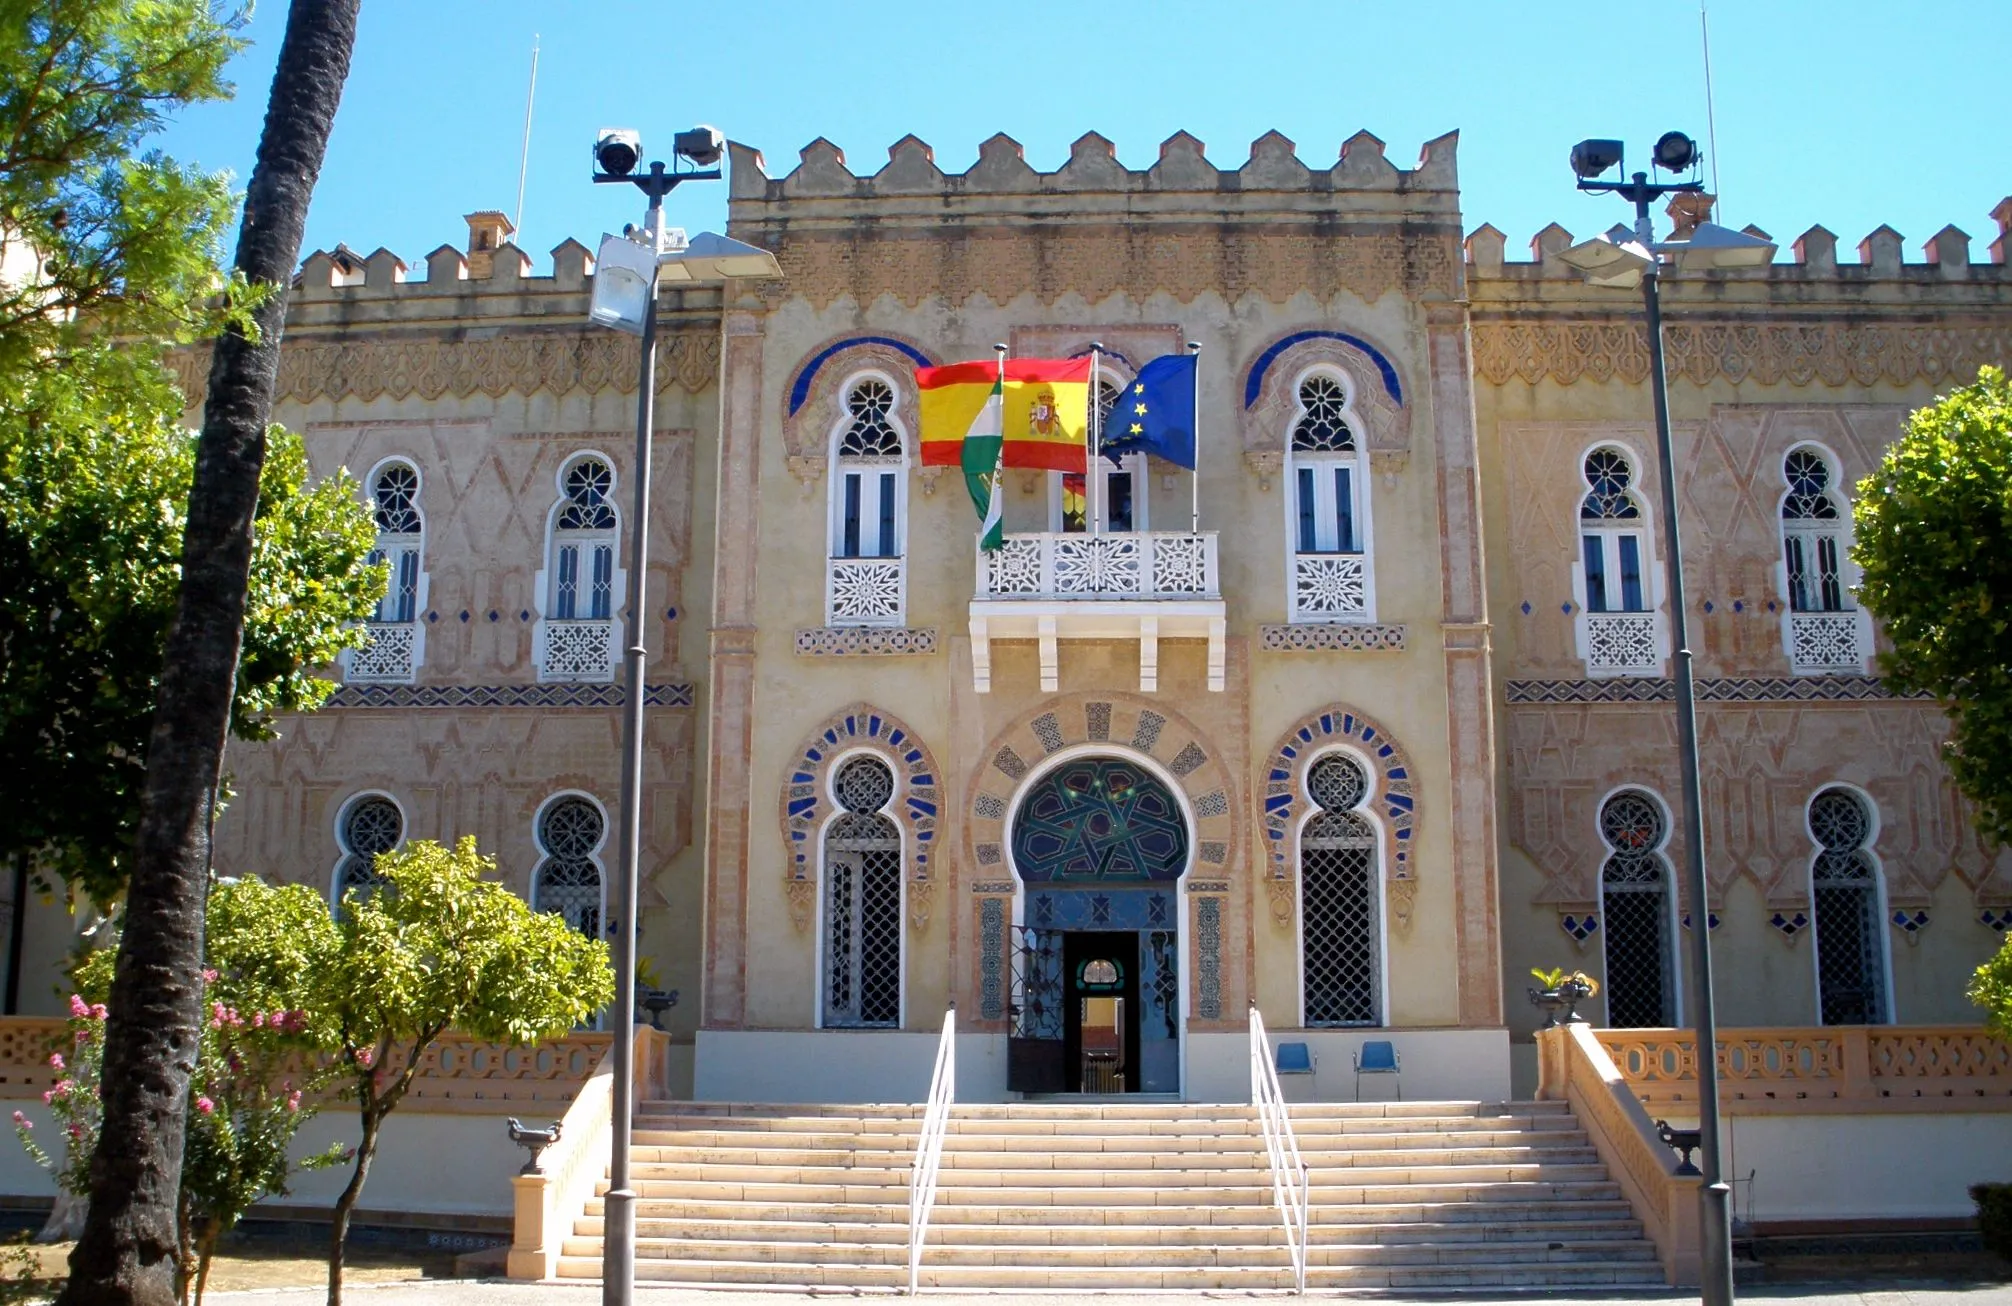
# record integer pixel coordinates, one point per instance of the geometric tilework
(1330, 637)
(1740, 689)
(865, 641)
(991, 959)
(1392, 798)
(806, 802)
(451, 696)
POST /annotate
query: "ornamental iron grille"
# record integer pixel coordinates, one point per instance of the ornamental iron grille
(1099, 820)
(371, 826)
(583, 547)
(1635, 913)
(568, 880)
(1036, 988)
(1812, 535)
(870, 433)
(1323, 422)
(862, 901)
(1339, 952)
(1850, 946)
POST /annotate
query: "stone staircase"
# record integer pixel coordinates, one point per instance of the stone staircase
(1423, 1195)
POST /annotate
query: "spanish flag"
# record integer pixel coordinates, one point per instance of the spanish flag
(1044, 415)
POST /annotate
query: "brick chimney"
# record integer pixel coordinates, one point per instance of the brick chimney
(487, 230)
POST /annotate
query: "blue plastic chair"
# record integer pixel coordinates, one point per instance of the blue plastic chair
(1294, 1059)
(1378, 1058)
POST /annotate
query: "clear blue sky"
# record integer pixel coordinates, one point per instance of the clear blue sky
(1845, 113)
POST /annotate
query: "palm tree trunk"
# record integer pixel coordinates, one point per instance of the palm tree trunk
(126, 1256)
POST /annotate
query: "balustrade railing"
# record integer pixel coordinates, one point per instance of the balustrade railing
(387, 658)
(865, 591)
(1150, 565)
(1329, 587)
(1622, 643)
(1826, 641)
(1291, 1186)
(929, 1146)
(1870, 1066)
(578, 650)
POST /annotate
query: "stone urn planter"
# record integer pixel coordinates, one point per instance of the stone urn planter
(1562, 991)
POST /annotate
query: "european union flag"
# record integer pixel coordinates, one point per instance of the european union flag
(1156, 413)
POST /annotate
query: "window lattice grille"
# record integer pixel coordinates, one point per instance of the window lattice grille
(1634, 902)
(397, 495)
(569, 881)
(871, 432)
(1850, 947)
(588, 483)
(1609, 475)
(862, 943)
(1323, 423)
(864, 784)
(370, 827)
(1338, 868)
(1808, 477)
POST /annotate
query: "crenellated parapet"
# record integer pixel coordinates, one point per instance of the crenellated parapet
(1183, 226)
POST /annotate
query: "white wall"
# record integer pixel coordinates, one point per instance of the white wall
(1439, 1065)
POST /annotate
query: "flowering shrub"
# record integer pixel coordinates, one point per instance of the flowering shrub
(72, 1100)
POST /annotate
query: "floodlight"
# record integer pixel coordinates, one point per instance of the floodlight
(702, 145)
(711, 257)
(1711, 246)
(1609, 262)
(1591, 158)
(624, 278)
(1676, 152)
(617, 151)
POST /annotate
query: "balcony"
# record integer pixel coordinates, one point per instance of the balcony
(389, 657)
(575, 650)
(1329, 587)
(865, 591)
(1133, 585)
(1827, 643)
(1623, 644)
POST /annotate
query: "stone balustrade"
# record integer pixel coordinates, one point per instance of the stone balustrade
(1835, 1068)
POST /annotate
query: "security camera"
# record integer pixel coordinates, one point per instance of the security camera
(617, 151)
(1591, 158)
(701, 145)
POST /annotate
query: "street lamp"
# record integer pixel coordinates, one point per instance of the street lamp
(627, 273)
(1626, 258)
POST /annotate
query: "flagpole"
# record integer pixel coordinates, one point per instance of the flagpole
(1090, 469)
(999, 465)
(1195, 472)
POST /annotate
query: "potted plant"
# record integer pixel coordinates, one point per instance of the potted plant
(1562, 991)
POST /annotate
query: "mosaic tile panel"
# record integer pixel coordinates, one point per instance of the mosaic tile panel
(992, 959)
(547, 696)
(1209, 968)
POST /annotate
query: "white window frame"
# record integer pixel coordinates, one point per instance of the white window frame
(1848, 573)
(1642, 528)
(1672, 914)
(1362, 518)
(891, 809)
(1882, 913)
(392, 548)
(343, 852)
(877, 477)
(544, 585)
(1367, 810)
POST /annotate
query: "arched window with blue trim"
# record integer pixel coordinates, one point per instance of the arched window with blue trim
(866, 579)
(1327, 503)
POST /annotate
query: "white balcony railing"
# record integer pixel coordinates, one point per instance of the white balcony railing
(1329, 587)
(387, 659)
(1152, 565)
(865, 591)
(1831, 642)
(577, 650)
(1622, 644)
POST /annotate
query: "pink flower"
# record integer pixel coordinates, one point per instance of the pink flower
(209, 975)
(49, 1095)
(277, 1019)
(21, 1121)
(75, 1131)
(204, 1105)
(83, 1038)
(217, 1015)
(258, 1020)
(56, 1060)
(99, 1011)
(79, 1007)
(292, 1101)
(364, 1057)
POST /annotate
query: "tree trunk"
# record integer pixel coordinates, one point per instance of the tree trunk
(345, 1205)
(127, 1254)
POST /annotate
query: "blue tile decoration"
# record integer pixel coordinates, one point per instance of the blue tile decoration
(1580, 928)
(1790, 924)
(1910, 923)
(1750, 689)
(799, 390)
(1285, 792)
(1526, 607)
(915, 805)
(992, 959)
(1254, 379)
(1995, 920)
(1712, 919)
(1209, 959)
(463, 696)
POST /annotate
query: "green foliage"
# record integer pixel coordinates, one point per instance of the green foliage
(1932, 524)
(1994, 1217)
(102, 236)
(94, 475)
(1991, 989)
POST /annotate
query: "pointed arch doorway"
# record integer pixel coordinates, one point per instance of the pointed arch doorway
(1099, 843)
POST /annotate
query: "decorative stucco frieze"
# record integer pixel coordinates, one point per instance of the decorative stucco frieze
(559, 695)
(865, 641)
(1331, 637)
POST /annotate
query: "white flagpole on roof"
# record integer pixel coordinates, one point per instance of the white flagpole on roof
(1195, 472)
(1091, 497)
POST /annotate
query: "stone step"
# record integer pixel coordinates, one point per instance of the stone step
(1310, 1137)
(1088, 1195)
(1023, 1114)
(1172, 1170)
(1267, 1232)
(1113, 1154)
(1509, 1215)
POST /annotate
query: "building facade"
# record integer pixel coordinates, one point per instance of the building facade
(1358, 722)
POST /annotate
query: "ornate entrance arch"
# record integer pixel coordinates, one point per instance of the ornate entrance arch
(1099, 820)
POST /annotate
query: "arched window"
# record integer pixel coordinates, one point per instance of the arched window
(581, 584)
(1116, 489)
(1844, 884)
(395, 634)
(567, 881)
(1328, 522)
(1824, 633)
(370, 824)
(867, 584)
(1635, 912)
(1341, 935)
(862, 899)
(1618, 627)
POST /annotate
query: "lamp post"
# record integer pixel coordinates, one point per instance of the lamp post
(628, 272)
(1625, 259)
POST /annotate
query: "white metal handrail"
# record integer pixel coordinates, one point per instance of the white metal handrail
(929, 1147)
(1291, 1187)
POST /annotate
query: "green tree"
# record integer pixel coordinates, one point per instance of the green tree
(1932, 525)
(94, 469)
(127, 1251)
(437, 947)
(1991, 989)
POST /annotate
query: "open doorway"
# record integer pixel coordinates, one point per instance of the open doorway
(1100, 1019)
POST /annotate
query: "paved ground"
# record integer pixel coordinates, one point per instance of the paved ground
(481, 1293)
